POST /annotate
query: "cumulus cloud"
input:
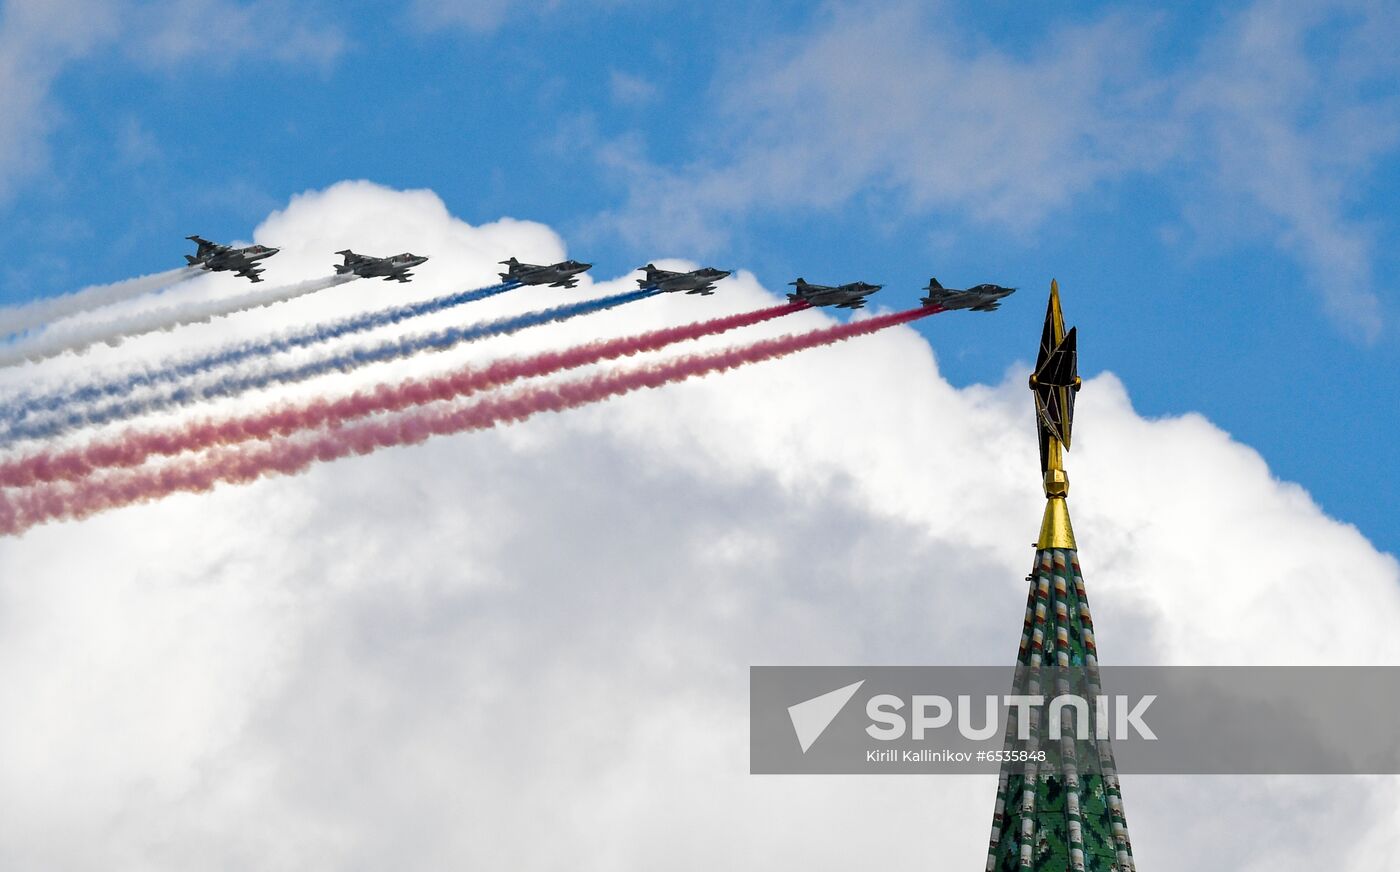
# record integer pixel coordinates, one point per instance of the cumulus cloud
(423, 657)
(1275, 120)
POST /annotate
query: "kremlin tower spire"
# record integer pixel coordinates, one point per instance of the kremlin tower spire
(1064, 814)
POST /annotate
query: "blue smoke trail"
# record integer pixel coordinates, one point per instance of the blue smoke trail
(345, 361)
(23, 406)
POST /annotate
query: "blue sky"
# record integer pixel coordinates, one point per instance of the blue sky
(195, 677)
(1212, 186)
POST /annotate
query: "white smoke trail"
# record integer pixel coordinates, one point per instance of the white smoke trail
(14, 319)
(52, 343)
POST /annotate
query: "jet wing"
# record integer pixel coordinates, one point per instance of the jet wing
(656, 277)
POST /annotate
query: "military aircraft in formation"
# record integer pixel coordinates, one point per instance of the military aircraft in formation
(979, 298)
(395, 268)
(700, 281)
(556, 275)
(218, 258)
(848, 296)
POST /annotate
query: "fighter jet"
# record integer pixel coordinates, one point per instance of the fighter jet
(700, 281)
(848, 296)
(217, 258)
(982, 298)
(557, 275)
(367, 266)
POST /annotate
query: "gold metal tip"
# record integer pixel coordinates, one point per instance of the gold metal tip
(1055, 529)
(1054, 316)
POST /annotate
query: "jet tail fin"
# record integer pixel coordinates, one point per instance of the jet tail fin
(934, 285)
(204, 245)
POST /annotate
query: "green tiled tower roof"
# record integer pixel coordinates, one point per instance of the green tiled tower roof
(1065, 814)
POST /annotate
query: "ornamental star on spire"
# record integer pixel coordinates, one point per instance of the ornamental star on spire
(1054, 383)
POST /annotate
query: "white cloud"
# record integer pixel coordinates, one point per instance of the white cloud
(182, 33)
(136, 144)
(486, 16)
(881, 98)
(39, 39)
(1268, 130)
(477, 15)
(1294, 129)
(36, 40)
(422, 657)
(631, 90)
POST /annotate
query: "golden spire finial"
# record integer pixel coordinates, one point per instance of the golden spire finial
(1054, 384)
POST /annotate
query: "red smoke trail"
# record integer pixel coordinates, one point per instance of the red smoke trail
(134, 447)
(25, 509)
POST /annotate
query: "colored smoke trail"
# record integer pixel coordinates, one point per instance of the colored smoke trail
(133, 448)
(15, 319)
(52, 343)
(20, 510)
(172, 371)
(270, 373)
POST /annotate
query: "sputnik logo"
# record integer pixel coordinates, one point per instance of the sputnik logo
(811, 717)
